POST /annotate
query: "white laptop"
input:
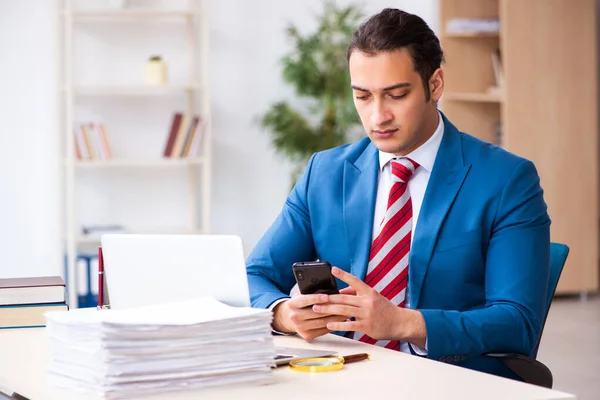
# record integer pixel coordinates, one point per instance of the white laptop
(152, 269)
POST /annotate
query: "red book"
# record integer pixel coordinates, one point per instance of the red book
(172, 134)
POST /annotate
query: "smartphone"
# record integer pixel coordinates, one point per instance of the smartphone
(315, 277)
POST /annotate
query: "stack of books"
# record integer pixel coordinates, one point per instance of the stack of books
(24, 301)
(161, 348)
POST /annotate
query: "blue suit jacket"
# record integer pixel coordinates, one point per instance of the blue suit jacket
(479, 261)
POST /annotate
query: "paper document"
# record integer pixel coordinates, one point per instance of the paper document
(198, 343)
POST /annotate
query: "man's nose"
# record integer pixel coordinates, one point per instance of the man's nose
(380, 116)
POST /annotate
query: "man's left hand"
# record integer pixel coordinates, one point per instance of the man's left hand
(374, 315)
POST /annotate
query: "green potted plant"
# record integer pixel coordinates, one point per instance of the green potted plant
(318, 71)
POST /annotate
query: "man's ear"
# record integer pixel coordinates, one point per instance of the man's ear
(436, 84)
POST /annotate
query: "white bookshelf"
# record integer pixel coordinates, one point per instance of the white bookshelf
(191, 92)
(138, 163)
(132, 90)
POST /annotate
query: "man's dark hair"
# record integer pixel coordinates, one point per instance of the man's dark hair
(393, 29)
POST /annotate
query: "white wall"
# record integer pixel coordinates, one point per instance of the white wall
(29, 174)
(250, 181)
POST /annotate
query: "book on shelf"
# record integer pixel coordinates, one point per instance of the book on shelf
(498, 136)
(101, 229)
(472, 25)
(180, 138)
(184, 137)
(33, 290)
(91, 141)
(177, 117)
(498, 86)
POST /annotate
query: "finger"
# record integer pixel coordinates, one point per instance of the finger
(345, 299)
(359, 286)
(314, 333)
(348, 326)
(338, 309)
(319, 323)
(298, 316)
(305, 300)
(306, 314)
(348, 290)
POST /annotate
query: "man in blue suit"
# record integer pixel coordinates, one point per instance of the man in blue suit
(442, 239)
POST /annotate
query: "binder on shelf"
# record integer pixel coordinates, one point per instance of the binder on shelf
(86, 284)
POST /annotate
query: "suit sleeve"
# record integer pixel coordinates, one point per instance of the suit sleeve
(516, 280)
(288, 240)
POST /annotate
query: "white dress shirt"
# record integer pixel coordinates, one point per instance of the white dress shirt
(425, 157)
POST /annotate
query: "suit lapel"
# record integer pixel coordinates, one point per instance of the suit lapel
(448, 174)
(359, 194)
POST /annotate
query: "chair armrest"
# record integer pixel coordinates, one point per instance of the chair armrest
(530, 370)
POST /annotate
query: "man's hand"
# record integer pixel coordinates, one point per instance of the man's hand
(374, 315)
(296, 315)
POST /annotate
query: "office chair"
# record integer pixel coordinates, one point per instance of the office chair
(529, 369)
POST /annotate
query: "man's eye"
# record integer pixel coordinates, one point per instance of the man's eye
(398, 97)
(362, 97)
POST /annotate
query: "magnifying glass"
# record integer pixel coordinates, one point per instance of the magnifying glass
(326, 364)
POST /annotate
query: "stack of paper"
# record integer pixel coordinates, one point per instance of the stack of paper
(142, 351)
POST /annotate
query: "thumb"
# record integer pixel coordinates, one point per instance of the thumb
(348, 290)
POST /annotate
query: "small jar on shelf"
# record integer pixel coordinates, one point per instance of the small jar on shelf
(156, 71)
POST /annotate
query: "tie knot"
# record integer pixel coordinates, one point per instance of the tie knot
(403, 169)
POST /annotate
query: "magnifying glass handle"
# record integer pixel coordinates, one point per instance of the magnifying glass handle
(355, 357)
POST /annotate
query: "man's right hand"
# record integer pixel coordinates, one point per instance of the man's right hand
(296, 316)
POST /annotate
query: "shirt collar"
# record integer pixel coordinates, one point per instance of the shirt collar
(425, 154)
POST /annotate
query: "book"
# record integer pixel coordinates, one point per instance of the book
(181, 136)
(88, 138)
(81, 144)
(190, 133)
(472, 25)
(103, 140)
(497, 67)
(194, 150)
(27, 315)
(101, 229)
(172, 134)
(35, 290)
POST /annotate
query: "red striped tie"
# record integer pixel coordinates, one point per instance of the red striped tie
(388, 262)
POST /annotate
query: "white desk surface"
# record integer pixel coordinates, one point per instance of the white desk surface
(24, 357)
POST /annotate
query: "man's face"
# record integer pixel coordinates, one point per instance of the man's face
(390, 100)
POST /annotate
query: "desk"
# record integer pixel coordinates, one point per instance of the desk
(24, 356)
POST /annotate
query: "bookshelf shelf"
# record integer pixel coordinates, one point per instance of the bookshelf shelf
(474, 97)
(140, 162)
(554, 125)
(133, 90)
(466, 35)
(124, 14)
(95, 239)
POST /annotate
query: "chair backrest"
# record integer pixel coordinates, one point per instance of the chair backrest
(558, 257)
